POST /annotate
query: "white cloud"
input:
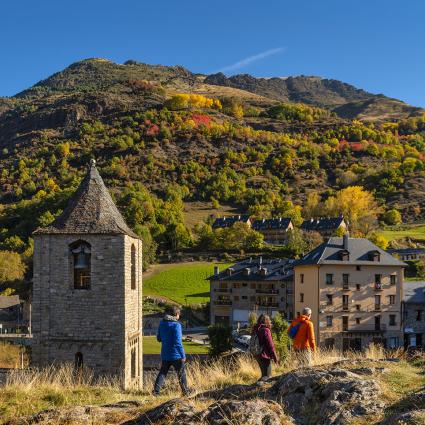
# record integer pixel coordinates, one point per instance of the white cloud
(250, 59)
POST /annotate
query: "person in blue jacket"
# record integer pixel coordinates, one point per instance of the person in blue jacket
(172, 351)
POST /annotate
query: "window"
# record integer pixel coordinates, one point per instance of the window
(133, 363)
(345, 323)
(377, 302)
(357, 286)
(81, 264)
(329, 279)
(236, 298)
(244, 297)
(358, 268)
(329, 320)
(302, 278)
(329, 299)
(345, 302)
(393, 279)
(133, 267)
(392, 299)
(358, 307)
(78, 364)
(301, 298)
(252, 285)
(419, 315)
(392, 320)
(357, 320)
(345, 278)
(378, 284)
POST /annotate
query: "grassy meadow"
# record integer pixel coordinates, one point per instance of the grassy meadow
(152, 346)
(178, 281)
(415, 231)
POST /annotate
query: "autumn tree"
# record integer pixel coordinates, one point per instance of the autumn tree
(392, 217)
(12, 267)
(357, 205)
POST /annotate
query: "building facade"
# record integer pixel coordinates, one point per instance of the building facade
(275, 230)
(354, 290)
(251, 286)
(414, 314)
(87, 290)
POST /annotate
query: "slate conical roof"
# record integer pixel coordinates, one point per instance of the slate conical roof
(90, 210)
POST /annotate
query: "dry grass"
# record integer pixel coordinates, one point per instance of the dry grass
(10, 356)
(29, 391)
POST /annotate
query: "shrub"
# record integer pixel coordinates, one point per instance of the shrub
(392, 217)
(11, 267)
(280, 336)
(220, 339)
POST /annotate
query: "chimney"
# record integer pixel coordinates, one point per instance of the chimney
(345, 240)
(216, 271)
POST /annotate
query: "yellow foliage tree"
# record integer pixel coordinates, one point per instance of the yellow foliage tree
(11, 266)
(358, 206)
(184, 100)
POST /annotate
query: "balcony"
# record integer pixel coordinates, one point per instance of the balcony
(222, 290)
(266, 304)
(377, 307)
(378, 286)
(267, 291)
(345, 287)
(223, 302)
(345, 307)
(359, 328)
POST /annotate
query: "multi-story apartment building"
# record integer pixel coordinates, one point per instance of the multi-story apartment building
(414, 314)
(354, 290)
(251, 286)
(275, 230)
(327, 226)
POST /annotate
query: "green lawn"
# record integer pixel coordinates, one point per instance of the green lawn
(177, 281)
(413, 231)
(152, 346)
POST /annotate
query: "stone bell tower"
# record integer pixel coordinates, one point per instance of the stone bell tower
(87, 291)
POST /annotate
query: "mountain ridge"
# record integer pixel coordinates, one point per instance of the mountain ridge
(346, 100)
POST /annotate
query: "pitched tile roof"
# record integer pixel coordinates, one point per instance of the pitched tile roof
(414, 292)
(359, 249)
(90, 210)
(222, 222)
(276, 269)
(322, 224)
(271, 223)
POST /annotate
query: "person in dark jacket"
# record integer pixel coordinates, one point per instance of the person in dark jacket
(268, 351)
(172, 351)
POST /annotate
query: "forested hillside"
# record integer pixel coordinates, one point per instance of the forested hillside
(163, 136)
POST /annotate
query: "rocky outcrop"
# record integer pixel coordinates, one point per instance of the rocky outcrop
(326, 397)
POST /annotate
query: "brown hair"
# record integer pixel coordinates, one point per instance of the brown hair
(264, 319)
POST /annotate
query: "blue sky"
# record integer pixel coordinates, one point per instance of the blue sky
(377, 45)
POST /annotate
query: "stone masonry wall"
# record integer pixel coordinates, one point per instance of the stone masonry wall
(66, 320)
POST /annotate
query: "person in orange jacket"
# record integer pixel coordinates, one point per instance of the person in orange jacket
(304, 341)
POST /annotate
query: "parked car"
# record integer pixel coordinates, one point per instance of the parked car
(244, 340)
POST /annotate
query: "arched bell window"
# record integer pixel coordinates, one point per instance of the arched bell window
(81, 264)
(133, 267)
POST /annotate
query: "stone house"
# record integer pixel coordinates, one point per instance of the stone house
(355, 291)
(414, 314)
(251, 286)
(87, 290)
(327, 226)
(275, 230)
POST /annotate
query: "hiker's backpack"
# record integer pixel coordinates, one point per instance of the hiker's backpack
(255, 347)
(294, 330)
